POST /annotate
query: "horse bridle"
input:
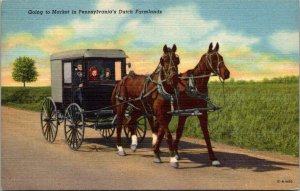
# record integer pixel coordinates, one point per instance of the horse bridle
(171, 64)
(210, 64)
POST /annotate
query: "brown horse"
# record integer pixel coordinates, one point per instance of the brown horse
(148, 94)
(210, 62)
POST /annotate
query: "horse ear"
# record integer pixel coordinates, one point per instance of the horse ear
(165, 49)
(217, 47)
(210, 47)
(161, 61)
(174, 48)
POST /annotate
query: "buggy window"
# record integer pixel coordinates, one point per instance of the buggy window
(101, 70)
(67, 72)
(118, 70)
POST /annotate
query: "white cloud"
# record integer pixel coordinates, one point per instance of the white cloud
(184, 26)
(285, 41)
(231, 39)
(101, 24)
(180, 24)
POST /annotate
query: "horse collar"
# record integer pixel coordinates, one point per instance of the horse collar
(192, 91)
(161, 89)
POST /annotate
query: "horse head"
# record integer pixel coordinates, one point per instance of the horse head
(169, 62)
(212, 62)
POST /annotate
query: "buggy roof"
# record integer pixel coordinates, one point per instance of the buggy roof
(89, 53)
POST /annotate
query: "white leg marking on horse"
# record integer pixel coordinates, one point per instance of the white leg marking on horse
(154, 139)
(173, 159)
(120, 149)
(134, 140)
(216, 163)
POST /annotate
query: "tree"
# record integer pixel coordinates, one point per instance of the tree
(24, 70)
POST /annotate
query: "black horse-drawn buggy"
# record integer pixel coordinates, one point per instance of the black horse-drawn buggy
(101, 70)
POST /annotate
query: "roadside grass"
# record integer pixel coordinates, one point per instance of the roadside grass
(27, 98)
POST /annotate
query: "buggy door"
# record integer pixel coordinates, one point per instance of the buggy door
(69, 70)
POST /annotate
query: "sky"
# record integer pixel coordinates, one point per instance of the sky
(258, 38)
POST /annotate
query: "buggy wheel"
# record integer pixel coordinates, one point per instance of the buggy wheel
(74, 126)
(141, 128)
(49, 119)
(108, 132)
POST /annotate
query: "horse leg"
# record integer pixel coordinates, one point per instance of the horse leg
(164, 122)
(154, 128)
(156, 145)
(179, 131)
(173, 161)
(132, 128)
(120, 120)
(203, 123)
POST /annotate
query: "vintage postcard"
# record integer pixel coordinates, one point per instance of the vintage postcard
(150, 95)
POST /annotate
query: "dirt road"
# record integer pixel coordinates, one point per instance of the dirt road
(29, 162)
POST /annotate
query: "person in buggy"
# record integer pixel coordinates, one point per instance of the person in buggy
(78, 82)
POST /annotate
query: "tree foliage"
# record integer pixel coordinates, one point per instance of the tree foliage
(24, 70)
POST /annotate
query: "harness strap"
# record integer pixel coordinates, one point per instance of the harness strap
(192, 91)
(145, 94)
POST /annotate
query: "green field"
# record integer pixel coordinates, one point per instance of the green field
(262, 116)
(255, 115)
(24, 98)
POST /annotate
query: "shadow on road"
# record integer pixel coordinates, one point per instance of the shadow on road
(191, 153)
(237, 161)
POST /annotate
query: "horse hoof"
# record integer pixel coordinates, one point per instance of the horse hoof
(157, 160)
(121, 153)
(177, 157)
(133, 147)
(174, 164)
(216, 163)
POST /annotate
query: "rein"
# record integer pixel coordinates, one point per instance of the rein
(191, 88)
(195, 77)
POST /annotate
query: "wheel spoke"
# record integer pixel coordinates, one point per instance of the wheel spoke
(54, 130)
(139, 133)
(78, 139)
(50, 133)
(68, 130)
(68, 136)
(69, 118)
(71, 115)
(47, 132)
(52, 114)
(43, 127)
(79, 133)
(73, 139)
(45, 112)
(78, 116)
(53, 125)
(47, 108)
(70, 121)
